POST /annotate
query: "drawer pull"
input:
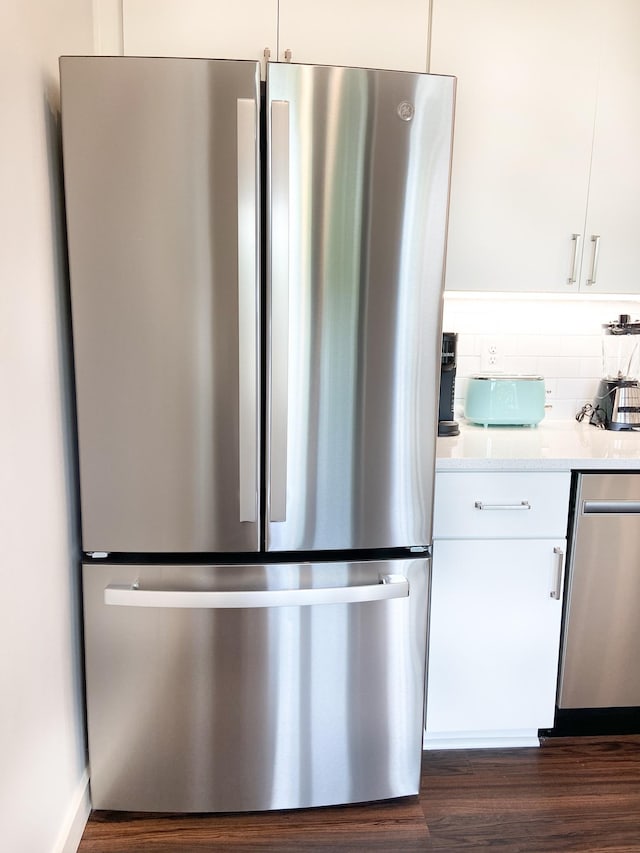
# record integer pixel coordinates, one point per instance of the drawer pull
(521, 505)
(556, 592)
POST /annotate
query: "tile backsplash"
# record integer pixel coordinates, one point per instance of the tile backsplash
(559, 339)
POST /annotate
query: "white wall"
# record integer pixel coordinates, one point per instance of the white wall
(43, 781)
(559, 339)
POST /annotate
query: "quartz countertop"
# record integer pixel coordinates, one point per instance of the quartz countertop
(551, 446)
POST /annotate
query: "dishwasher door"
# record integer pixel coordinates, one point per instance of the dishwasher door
(253, 687)
(601, 635)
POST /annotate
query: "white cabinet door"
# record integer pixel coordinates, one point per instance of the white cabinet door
(614, 189)
(527, 75)
(200, 28)
(368, 33)
(494, 636)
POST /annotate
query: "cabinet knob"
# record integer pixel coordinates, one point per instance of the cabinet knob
(267, 53)
(287, 55)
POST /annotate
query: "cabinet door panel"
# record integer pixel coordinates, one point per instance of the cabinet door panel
(200, 28)
(524, 122)
(494, 636)
(367, 33)
(614, 189)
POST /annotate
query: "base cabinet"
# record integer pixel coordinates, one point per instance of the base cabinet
(496, 607)
(495, 632)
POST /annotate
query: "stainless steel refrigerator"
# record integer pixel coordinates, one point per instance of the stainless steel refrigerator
(256, 283)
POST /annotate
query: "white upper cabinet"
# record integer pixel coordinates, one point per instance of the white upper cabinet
(613, 212)
(200, 28)
(367, 33)
(534, 80)
(372, 33)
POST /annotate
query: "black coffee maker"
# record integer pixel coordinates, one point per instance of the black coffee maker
(446, 423)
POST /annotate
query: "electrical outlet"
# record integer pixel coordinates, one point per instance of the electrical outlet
(491, 358)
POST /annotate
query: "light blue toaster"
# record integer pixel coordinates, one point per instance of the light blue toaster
(503, 400)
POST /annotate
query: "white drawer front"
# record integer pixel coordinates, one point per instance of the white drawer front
(504, 505)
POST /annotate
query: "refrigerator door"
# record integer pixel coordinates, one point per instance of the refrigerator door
(233, 688)
(359, 165)
(161, 179)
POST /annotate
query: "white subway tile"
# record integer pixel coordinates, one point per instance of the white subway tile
(584, 346)
(590, 368)
(562, 410)
(558, 367)
(576, 389)
(468, 365)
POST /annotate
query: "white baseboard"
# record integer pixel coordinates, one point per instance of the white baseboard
(76, 818)
(481, 740)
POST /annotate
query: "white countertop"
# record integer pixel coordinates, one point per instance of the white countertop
(551, 446)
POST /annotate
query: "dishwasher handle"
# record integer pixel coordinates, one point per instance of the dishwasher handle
(611, 507)
(388, 587)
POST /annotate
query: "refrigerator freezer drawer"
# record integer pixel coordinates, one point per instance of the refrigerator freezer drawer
(242, 688)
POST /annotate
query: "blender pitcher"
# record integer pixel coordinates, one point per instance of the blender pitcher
(617, 402)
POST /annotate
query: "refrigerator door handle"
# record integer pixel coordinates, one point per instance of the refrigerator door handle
(389, 587)
(247, 309)
(279, 213)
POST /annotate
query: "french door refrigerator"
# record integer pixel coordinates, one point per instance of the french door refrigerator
(256, 301)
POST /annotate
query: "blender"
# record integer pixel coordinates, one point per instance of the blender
(617, 402)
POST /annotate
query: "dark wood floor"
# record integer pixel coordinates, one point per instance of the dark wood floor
(572, 794)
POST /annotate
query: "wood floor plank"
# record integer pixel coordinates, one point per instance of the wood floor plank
(573, 795)
(581, 795)
(380, 827)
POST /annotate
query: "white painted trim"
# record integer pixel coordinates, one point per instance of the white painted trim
(481, 740)
(76, 818)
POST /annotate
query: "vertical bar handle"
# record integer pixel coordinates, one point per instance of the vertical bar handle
(573, 277)
(558, 554)
(279, 308)
(247, 308)
(595, 239)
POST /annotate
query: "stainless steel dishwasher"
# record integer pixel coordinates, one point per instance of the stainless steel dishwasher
(600, 663)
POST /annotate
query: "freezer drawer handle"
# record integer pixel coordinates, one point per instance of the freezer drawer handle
(247, 309)
(389, 586)
(611, 507)
(521, 505)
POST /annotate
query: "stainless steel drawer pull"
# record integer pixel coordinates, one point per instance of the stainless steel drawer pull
(611, 507)
(556, 592)
(389, 586)
(521, 505)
